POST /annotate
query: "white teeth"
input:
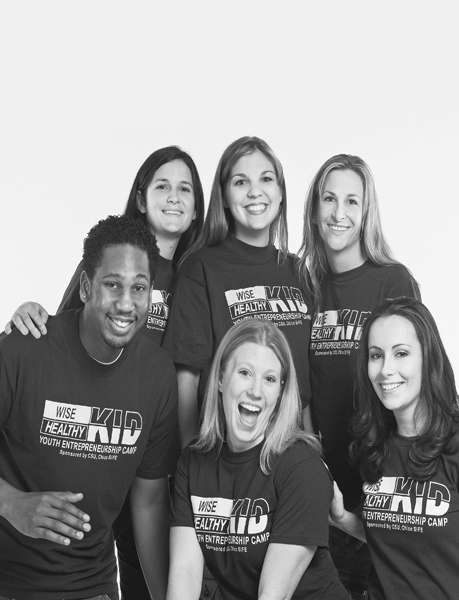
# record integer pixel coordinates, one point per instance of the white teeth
(337, 228)
(256, 208)
(389, 387)
(172, 212)
(250, 407)
(122, 324)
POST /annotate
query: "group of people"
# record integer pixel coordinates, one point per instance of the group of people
(308, 391)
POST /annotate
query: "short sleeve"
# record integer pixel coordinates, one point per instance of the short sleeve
(403, 284)
(189, 337)
(6, 389)
(163, 446)
(305, 490)
(182, 512)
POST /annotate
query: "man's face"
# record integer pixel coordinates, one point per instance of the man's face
(116, 301)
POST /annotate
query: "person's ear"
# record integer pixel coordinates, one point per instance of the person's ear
(85, 287)
(141, 202)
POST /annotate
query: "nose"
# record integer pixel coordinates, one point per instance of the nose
(125, 302)
(339, 213)
(387, 367)
(173, 197)
(256, 387)
(254, 190)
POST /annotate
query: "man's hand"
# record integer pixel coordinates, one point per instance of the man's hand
(51, 516)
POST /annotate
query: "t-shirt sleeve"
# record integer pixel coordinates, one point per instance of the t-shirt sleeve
(305, 491)
(403, 284)
(163, 446)
(182, 511)
(6, 389)
(189, 337)
(71, 298)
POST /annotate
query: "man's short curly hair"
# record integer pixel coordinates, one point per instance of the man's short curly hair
(115, 230)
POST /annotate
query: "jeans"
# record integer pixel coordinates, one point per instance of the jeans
(352, 561)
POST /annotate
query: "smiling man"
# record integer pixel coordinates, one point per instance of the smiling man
(87, 413)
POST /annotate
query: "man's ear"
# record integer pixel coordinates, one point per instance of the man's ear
(85, 287)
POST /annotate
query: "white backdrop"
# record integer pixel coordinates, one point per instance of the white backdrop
(91, 88)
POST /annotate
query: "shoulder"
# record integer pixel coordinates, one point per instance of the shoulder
(300, 455)
(199, 260)
(150, 352)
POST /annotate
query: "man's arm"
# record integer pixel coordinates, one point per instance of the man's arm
(150, 510)
(47, 515)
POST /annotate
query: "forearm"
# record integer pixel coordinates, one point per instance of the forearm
(7, 493)
(283, 567)
(188, 413)
(351, 524)
(187, 563)
(184, 583)
(150, 521)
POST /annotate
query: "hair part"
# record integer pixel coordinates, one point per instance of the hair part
(114, 231)
(374, 423)
(285, 424)
(219, 222)
(312, 263)
(144, 178)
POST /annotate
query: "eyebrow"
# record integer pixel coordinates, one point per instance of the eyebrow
(120, 276)
(393, 347)
(168, 181)
(333, 194)
(262, 173)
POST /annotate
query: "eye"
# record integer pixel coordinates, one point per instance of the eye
(161, 186)
(328, 199)
(375, 355)
(111, 285)
(244, 372)
(271, 379)
(240, 181)
(267, 178)
(401, 354)
(139, 288)
(352, 201)
(186, 189)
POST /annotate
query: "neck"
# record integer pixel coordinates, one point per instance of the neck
(100, 352)
(258, 239)
(340, 262)
(408, 426)
(167, 245)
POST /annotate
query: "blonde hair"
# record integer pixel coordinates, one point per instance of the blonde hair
(285, 424)
(312, 261)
